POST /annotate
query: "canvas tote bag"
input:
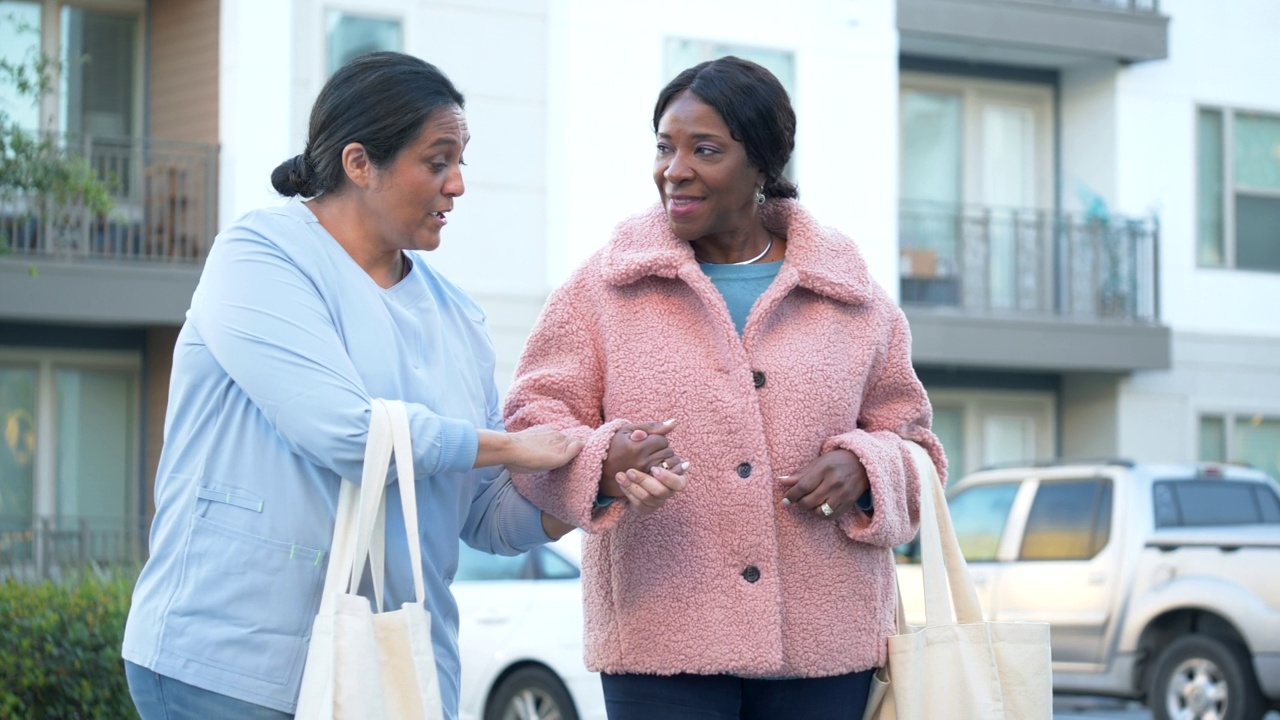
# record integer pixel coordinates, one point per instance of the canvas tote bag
(958, 667)
(364, 663)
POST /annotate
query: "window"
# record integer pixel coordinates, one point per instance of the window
(985, 145)
(17, 460)
(553, 567)
(981, 428)
(1191, 503)
(19, 41)
(1239, 189)
(1069, 520)
(979, 515)
(100, 97)
(1250, 439)
(69, 458)
(478, 565)
(351, 36)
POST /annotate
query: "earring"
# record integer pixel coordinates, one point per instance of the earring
(759, 197)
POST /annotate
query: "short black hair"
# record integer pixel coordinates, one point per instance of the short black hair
(380, 100)
(755, 106)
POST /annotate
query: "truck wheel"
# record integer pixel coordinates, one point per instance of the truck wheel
(530, 693)
(1201, 677)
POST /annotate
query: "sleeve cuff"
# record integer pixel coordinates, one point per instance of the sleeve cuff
(459, 444)
(520, 524)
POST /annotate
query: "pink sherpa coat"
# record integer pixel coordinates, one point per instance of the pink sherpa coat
(639, 334)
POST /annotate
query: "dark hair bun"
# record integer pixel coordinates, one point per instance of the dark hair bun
(293, 177)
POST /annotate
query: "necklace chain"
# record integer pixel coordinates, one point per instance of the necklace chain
(764, 252)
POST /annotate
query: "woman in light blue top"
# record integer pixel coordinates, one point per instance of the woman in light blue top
(303, 314)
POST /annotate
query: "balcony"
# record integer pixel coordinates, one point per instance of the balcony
(137, 263)
(1038, 33)
(1031, 289)
(44, 547)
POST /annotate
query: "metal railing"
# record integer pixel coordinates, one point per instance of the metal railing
(1029, 262)
(36, 548)
(164, 209)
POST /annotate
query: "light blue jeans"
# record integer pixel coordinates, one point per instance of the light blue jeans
(162, 698)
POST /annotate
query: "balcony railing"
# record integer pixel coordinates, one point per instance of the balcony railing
(36, 548)
(985, 260)
(164, 205)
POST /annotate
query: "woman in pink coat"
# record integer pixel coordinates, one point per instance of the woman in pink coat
(755, 581)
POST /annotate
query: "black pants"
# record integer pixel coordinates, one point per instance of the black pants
(725, 697)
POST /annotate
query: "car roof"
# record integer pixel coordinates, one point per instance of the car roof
(1097, 468)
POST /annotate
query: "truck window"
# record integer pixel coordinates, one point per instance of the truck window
(1069, 520)
(1192, 503)
(1269, 504)
(979, 515)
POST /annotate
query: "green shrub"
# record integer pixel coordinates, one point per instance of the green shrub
(60, 648)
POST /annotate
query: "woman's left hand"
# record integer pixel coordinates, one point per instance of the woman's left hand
(835, 480)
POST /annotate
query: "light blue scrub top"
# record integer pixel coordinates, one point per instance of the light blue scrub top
(286, 342)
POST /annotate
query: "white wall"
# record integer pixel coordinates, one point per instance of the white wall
(608, 63)
(1088, 114)
(495, 51)
(1213, 374)
(1221, 54)
(254, 115)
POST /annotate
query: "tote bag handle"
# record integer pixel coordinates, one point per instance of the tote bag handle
(947, 584)
(360, 529)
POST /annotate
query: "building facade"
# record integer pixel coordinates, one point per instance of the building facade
(1075, 201)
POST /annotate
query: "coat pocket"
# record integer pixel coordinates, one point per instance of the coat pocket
(245, 603)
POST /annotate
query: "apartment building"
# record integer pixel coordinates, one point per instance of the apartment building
(1075, 201)
(89, 310)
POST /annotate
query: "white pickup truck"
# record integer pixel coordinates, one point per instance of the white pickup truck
(1159, 582)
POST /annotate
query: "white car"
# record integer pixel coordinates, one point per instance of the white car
(520, 636)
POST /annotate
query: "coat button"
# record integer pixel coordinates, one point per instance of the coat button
(751, 574)
(744, 470)
(757, 378)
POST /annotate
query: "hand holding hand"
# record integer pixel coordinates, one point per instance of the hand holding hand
(641, 466)
(833, 481)
(531, 450)
(646, 492)
(639, 446)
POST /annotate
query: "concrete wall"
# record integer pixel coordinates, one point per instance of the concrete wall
(1089, 415)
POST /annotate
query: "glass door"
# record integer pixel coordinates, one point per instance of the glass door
(931, 158)
(96, 453)
(17, 461)
(100, 98)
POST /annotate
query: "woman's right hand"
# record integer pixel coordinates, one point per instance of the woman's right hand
(528, 451)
